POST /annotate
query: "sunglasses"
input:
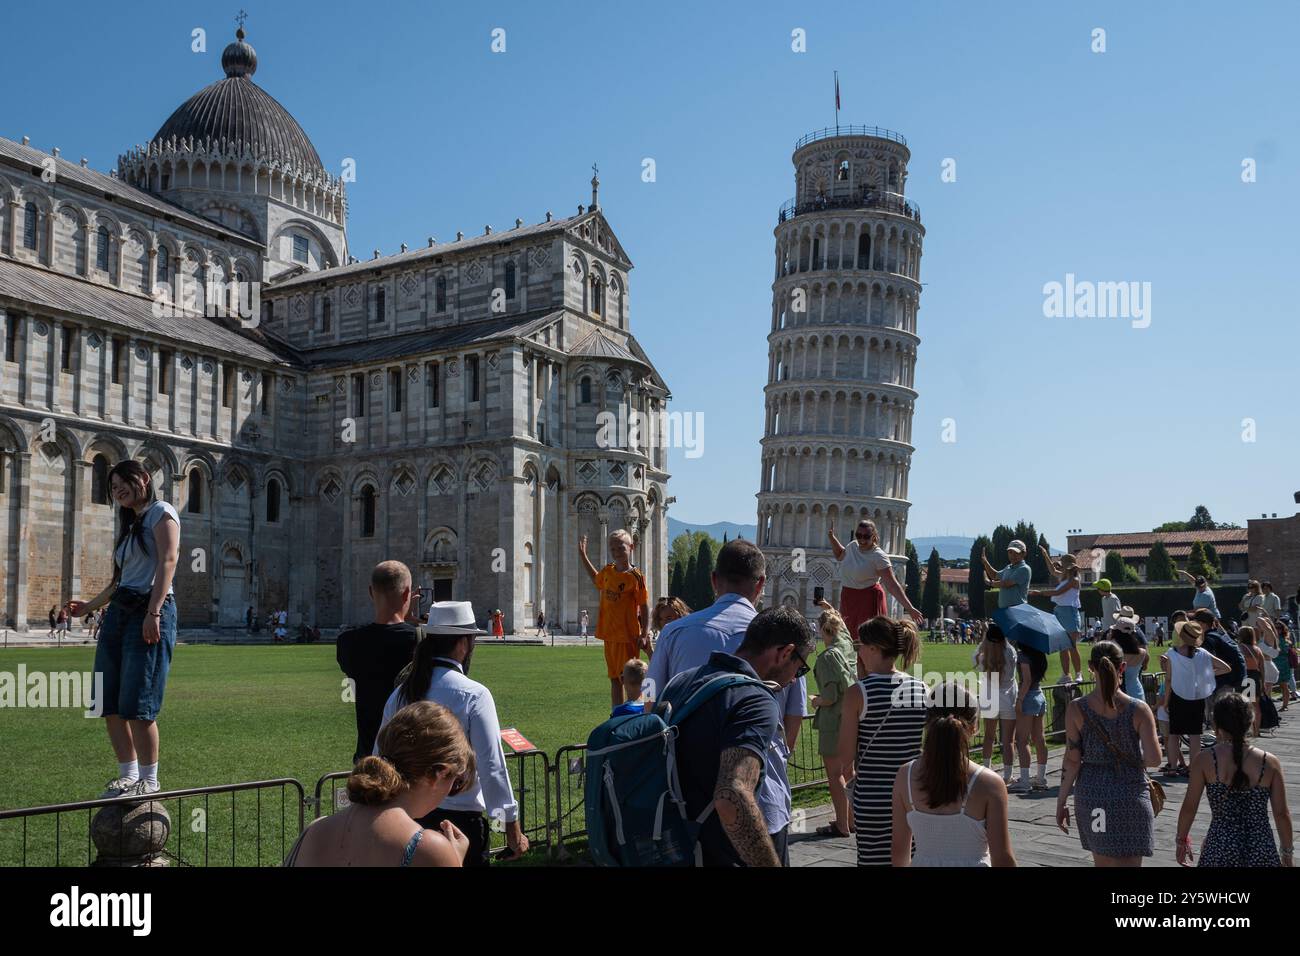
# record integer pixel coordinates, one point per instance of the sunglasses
(803, 665)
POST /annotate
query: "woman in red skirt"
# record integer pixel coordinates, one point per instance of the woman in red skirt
(865, 575)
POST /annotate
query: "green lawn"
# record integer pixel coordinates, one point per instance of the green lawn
(255, 713)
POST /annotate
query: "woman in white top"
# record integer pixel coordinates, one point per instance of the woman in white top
(1251, 604)
(954, 810)
(1068, 610)
(998, 695)
(1189, 681)
(865, 575)
(1267, 644)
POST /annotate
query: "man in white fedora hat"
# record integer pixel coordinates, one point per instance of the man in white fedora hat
(440, 673)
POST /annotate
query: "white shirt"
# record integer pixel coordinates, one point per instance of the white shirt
(1191, 678)
(862, 569)
(474, 707)
(1069, 599)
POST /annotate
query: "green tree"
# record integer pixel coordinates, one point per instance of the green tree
(1002, 536)
(1198, 563)
(930, 595)
(1039, 572)
(1212, 556)
(1118, 570)
(1160, 567)
(948, 598)
(913, 583)
(1201, 520)
(1172, 526)
(975, 577)
(703, 573)
(677, 585)
(688, 584)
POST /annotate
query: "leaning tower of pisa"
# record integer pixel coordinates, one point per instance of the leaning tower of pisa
(841, 359)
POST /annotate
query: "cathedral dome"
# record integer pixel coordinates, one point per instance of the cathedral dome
(245, 115)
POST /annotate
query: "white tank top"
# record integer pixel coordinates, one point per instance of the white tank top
(947, 839)
(1069, 599)
(1192, 678)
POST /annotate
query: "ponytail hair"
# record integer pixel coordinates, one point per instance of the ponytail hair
(421, 740)
(420, 674)
(1105, 661)
(1232, 715)
(950, 722)
(893, 638)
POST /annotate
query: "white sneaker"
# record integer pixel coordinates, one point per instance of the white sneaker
(1038, 784)
(115, 788)
(141, 788)
(1018, 786)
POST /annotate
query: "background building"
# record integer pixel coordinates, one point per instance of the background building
(841, 359)
(439, 406)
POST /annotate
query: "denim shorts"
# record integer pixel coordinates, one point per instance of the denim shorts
(1069, 618)
(1035, 704)
(134, 673)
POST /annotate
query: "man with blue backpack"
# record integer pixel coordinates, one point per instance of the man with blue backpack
(679, 785)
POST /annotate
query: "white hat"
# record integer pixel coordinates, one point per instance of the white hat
(1017, 545)
(1126, 621)
(452, 617)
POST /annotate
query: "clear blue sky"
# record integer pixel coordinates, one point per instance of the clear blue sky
(1118, 166)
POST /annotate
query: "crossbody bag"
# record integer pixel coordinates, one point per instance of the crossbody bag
(1156, 791)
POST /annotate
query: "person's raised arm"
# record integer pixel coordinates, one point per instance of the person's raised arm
(739, 773)
(1281, 812)
(836, 547)
(1187, 812)
(1184, 574)
(1052, 566)
(890, 583)
(900, 842)
(586, 561)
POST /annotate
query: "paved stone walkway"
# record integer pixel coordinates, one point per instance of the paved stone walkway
(1035, 838)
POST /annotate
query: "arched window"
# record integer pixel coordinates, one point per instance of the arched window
(584, 390)
(102, 249)
(367, 512)
(194, 482)
(440, 294)
(326, 315)
(29, 227)
(842, 174)
(597, 296)
(864, 251)
(99, 480)
(272, 501)
(160, 273)
(510, 279)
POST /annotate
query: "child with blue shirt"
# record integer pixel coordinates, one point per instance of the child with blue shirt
(634, 672)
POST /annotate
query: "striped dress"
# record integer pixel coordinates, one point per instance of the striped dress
(884, 745)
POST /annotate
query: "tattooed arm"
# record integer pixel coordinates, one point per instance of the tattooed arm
(733, 798)
(1071, 764)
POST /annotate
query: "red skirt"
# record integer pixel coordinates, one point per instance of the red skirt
(859, 605)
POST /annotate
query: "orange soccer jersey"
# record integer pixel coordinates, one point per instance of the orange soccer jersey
(621, 594)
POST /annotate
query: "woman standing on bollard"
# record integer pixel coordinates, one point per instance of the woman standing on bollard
(138, 633)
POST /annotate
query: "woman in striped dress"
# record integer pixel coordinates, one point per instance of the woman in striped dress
(880, 730)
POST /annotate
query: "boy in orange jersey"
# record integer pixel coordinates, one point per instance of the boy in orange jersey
(623, 622)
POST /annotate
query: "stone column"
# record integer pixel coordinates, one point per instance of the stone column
(21, 480)
(76, 532)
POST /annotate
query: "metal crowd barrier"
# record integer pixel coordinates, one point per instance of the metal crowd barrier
(199, 831)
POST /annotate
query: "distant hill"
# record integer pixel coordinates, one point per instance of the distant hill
(950, 548)
(717, 529)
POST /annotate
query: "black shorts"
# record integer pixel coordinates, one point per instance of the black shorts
(1186, 717)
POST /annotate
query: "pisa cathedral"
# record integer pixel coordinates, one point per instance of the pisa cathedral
(836, 444)
(431, 406)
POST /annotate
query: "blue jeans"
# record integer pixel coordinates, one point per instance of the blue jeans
(134, 673)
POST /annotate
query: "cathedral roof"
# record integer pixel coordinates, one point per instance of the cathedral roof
(245, 116)
(596, 344)
(30, 285)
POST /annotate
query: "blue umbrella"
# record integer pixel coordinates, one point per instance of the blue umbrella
(1027, 625)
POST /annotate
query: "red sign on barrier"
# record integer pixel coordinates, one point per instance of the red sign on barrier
(515, 740)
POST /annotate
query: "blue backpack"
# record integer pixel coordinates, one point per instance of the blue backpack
(636, 814)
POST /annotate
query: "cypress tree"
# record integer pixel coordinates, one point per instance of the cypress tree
(913, 583)
(975, 580)
(703, 573)
(930, 595)
(1160, 567)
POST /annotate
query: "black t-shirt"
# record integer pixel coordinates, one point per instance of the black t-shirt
(746, 717)
(373, 655)
(1225, 649)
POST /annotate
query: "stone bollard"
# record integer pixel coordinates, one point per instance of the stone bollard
(131, 834)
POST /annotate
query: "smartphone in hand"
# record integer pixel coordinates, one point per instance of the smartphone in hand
(819, 594)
